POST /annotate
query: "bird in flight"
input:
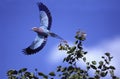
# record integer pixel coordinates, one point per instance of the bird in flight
(42, 32)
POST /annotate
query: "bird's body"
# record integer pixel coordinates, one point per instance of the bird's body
(42, 32)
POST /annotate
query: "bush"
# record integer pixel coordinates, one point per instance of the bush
(72, 71)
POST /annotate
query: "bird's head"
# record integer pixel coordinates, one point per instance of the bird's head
(35, 29)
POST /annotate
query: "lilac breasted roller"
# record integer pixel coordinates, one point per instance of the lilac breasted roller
(42, 32)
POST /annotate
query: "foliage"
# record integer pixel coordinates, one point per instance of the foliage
(72, 70)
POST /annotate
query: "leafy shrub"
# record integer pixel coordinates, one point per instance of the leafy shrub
(71, 71)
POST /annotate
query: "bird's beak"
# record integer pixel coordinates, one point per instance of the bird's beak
(33, 28)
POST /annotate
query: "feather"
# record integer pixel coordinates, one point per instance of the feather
(36, 45)
(45, 16)
(55, 36)
(45, 24)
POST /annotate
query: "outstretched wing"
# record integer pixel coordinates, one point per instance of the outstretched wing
(45, 22)
(36, 45)
(45, 16)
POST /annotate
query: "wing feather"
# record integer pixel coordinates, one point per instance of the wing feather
(36, 45)
(45, 16)
(45, 22)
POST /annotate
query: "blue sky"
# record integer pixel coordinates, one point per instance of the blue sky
(100, 19)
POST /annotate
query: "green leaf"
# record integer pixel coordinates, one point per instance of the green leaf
(107, 54)
(81, 71)
(13, 77)
(73, 59)
(12, 72)
(40, 74)
(52, 74)
(68, 52)
(64, 74)
(92, 66)
(97, 77)
(79, 54)
(60, 47)
(63, 69)
(88, 67)
(27, 74)
(80, 45)
(103, 57)
(103, 74)
(22, 70)
(107, 61)
(100, 66)
(87, 63)
(84, 59)
(76, 42)
(45, 77)
(59, 66)
(64, 59)
(105, 68)
(115, 77)
(70, 68)
(58, 69)
(72, 49)
(101, 63)
(110, 58)
(112, 67)
(76, 37)
(94, 62)
(85, 53)
(97, 72)
(111, 72)
(91, 78)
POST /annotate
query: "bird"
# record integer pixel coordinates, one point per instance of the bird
(42, 32)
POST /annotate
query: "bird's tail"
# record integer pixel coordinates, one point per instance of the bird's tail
(56, 36)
